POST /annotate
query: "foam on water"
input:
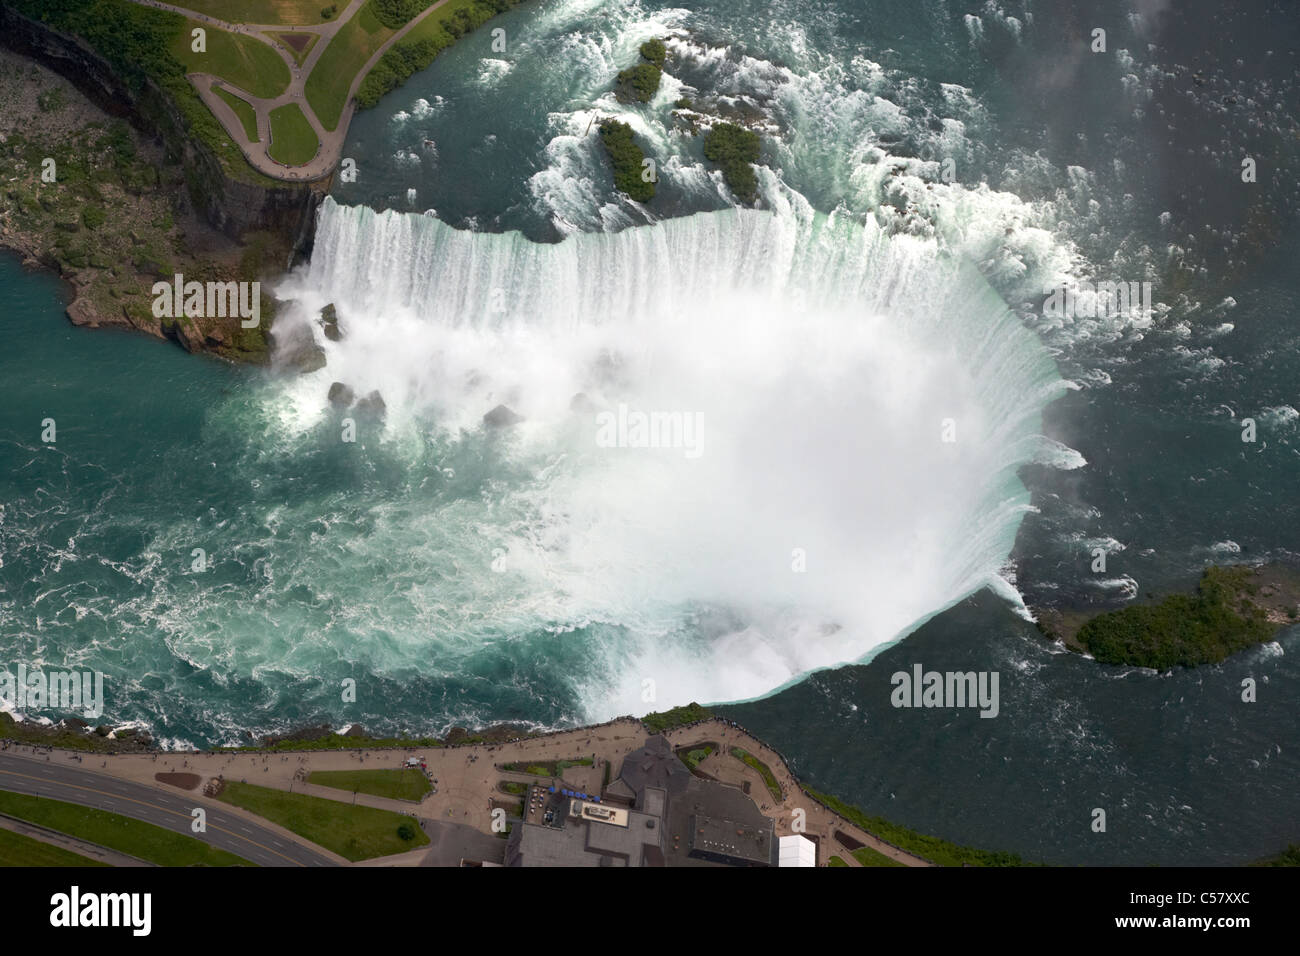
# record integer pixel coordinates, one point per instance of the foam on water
(822, 356)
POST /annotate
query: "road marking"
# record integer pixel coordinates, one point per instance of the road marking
(14, 773)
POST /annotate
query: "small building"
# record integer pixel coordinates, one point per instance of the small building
(796, 850)
(669, 817)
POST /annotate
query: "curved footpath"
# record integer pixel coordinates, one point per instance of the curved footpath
(231, 829)
(331, 141)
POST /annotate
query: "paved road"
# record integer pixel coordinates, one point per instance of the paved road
(227, 830)
(331, 141)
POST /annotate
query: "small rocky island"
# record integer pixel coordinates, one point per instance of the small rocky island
(1232, 609)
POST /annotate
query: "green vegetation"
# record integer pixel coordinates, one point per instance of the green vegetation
(628, 160)
(53, 100)
(1288, 857)
(655, 51)
(331, 78)
(293, 141)
(514, 788)
(869, 857)
(396, 13)
(547, 768)
(640, 82)
(937, 851)
(341, 742)
(734, 148)
(690, 713)
(243, 109)
(138, 42)
(241, 60)
(110, 220)
(693, 758)
(437, 31)
(404, 784)
(288, 12)
(124, 834)
(747, 758)
(356, 833)
(836, 861)
(17, 849)
(92, 217)
(1183, 630)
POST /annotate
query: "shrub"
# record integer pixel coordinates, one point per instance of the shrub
(1182, 630)
(395, 13)
(639, 82)
(406, 832)
(93, 217)
(734, 149)
(660, 721)
(654, 51)
(627, 158)
(52, 100)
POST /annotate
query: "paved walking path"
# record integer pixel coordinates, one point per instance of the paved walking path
(467, 777)
(332, 141)
(818, 820)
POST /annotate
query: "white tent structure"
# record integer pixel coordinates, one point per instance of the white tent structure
(796, 850)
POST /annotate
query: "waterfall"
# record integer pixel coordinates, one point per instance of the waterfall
(863, 403)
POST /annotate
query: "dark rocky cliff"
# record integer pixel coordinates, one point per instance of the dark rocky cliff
(236, 205)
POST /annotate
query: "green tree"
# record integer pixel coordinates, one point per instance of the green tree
(628, 160)
(735, 149)
(654, 51)
(640, 82)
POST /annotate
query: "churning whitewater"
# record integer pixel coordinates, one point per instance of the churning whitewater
(863, 400)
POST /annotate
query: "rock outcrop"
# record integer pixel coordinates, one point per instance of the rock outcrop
(502, 417)
(236, 205)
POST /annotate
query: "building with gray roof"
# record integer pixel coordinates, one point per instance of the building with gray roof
(657, 813)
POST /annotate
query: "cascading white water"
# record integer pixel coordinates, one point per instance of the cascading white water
(824, 514)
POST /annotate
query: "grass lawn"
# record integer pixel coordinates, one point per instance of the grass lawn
(248, 64)
(836, 861)
(747, 758)
(125, 834)
(694, 758)
(289, 12)
(356, 833)
(242, 109)
(328, 85)
(293, 141)
(869, 857)
(404, 784)
(430, 24)
(16, 849)
(547, 768)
